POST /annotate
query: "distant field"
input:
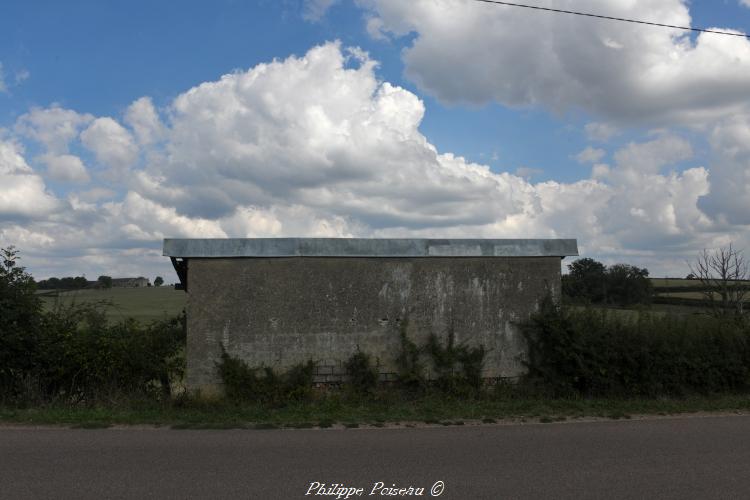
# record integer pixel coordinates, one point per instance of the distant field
(143, 304)
(661, 282)
(674, 282)
(683, 292)
(688, 295)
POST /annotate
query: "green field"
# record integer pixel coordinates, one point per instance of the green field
(660, 282)
(675, 282)
(687, 293)
(143, 304)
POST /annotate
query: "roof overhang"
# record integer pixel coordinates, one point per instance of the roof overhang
(367, 247)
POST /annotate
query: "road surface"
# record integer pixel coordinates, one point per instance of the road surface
(700, 457)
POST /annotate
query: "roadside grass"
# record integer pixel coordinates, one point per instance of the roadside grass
(345, 412)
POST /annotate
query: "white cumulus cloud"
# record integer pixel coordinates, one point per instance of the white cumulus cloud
(142, 117)
(590, 155)
(54, 127)
(623, 72)
(312, 131)
(729, 199)
(65, 168)
(314, 10)
(601, 132)
(23, 193)
(111, 143)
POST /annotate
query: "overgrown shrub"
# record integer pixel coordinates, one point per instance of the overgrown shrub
(363, 377)
(410, 370)
(83, 357)
(458, 367)
(263, 385)
(602, 353)
(78, 357)
(72, 353)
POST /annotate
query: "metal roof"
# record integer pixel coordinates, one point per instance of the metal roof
(367, 247)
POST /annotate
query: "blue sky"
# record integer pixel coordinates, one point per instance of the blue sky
(95, 59)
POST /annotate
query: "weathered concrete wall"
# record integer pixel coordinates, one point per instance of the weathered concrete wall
(281, 311)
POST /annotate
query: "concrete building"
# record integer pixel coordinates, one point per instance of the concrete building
(281, 301)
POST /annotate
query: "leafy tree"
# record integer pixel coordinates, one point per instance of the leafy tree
(586, 280)
(593, 282)
(49, 284)
(159, 281)
(66, 283)
(628, 285)
(105, 281)
(71, 283)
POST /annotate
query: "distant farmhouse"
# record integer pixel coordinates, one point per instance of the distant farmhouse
(139, 282)
(130, 282)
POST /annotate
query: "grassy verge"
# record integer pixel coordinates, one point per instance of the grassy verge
(349, 413)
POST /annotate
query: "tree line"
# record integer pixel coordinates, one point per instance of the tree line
(592, 282)
(80, 282)
(722, 276)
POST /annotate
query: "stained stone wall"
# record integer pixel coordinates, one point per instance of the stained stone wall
(279, 311)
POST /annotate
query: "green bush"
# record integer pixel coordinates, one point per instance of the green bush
(83, 357)
(363, 377)
(243, 383)
(458, 367)
(410, 370)
(600, 353)
(73, 354)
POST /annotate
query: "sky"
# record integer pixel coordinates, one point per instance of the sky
(123, 123)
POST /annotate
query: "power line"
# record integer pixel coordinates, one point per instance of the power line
(598, 16)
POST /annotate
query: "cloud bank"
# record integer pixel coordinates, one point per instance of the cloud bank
(622, 72)
(316, 145)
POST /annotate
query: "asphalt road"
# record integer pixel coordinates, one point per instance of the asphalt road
(706, 457)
